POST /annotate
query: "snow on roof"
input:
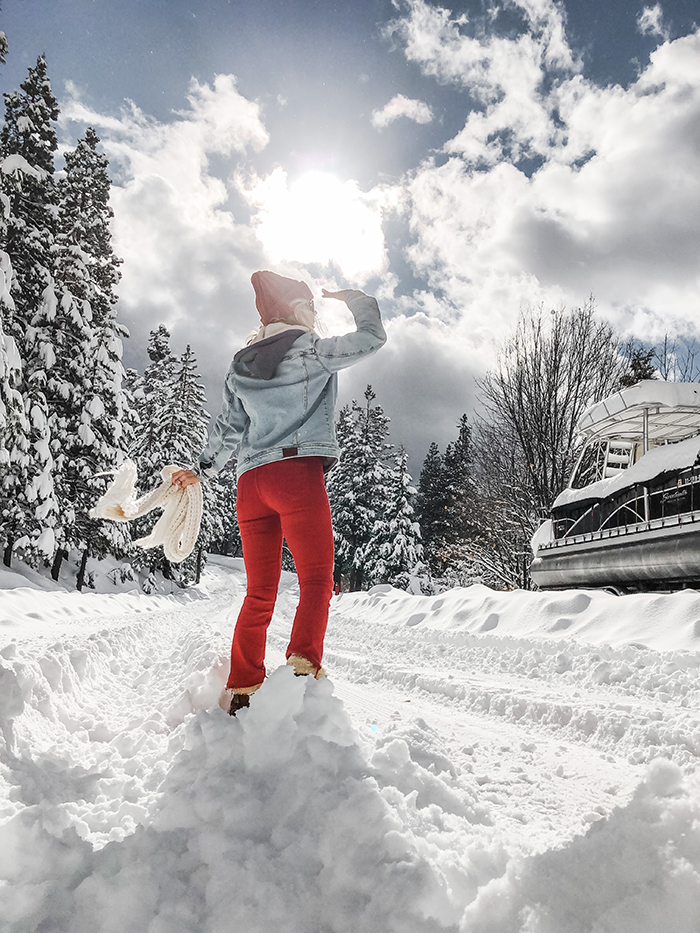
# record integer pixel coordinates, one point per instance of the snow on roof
(665, 459)
(674, 412)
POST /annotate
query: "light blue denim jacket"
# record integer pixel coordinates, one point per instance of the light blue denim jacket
(291, 414)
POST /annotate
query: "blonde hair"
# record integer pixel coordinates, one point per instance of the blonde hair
(303, 314)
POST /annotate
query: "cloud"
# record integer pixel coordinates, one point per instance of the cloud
(401, 106)
(186, 258)
(650, 22)
(483, 60)
(505, 76)
(610, 205)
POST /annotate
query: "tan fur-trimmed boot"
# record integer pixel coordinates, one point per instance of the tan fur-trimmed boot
(304, 668)
(234, 698)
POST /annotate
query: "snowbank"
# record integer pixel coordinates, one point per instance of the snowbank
(661, 621)
(637, 872)
(268, 821)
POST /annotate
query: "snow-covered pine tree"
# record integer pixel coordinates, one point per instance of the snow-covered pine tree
(183, 420)
(433, 505)
(87, 405)
(14, 427)
(149, 395)
(224, 486)
(86, 232)
(150, 398)
(184, 426)
(461, 486)
(132, 387)
(341, 495)
(395, 547)
(28, 140)
(446, 500)
(27, 145)
(173, 426)
(359, 486)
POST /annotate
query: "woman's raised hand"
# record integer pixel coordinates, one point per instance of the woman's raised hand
(341, 295)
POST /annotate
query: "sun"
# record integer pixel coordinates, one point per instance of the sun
(320, 219)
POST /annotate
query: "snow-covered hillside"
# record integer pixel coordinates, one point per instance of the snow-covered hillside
(476, 761)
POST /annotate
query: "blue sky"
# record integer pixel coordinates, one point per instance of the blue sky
(459, 160)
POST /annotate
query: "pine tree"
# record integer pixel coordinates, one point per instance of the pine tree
(85, 240)
(395, 547)
(184, 427)
(446, 505)
(640, 364)
(183, 418)
(14, 426)
(433, 505)
(87, 404)
(27, 145)
(224, 487)
(3, 46)
(173, 423)
(14, 431)
(341, 495)
(358, 488)
(461, 487)
(151, 398)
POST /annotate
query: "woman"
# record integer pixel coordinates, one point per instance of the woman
(278, 415)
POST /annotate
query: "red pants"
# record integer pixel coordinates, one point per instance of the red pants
(282, 499)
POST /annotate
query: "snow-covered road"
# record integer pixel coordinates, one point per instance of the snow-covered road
(448, 775)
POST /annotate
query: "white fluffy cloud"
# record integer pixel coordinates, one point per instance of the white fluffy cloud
(401, 106)
(613, 209)
(504, 74)
(651, 22)
(186, 259)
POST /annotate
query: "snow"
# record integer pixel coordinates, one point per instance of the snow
(5, 265)
(477, 761)
(13, 358)
(16, 163)
(95, 407)
(46, 543)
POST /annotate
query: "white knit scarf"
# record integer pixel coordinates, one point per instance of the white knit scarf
(178, 526)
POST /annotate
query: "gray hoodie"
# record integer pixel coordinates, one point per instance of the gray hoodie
(280, 393)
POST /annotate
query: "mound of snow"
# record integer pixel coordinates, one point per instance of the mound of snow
(269, 821)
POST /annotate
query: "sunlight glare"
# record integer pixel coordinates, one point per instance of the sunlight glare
(319, 218)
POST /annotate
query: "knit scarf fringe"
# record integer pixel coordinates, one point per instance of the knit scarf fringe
(176, 529)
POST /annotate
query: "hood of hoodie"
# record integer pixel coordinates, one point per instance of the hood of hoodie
(261, 358)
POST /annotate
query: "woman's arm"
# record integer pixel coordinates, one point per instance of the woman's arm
(338, 352)
(223, 440)
(225, 436)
